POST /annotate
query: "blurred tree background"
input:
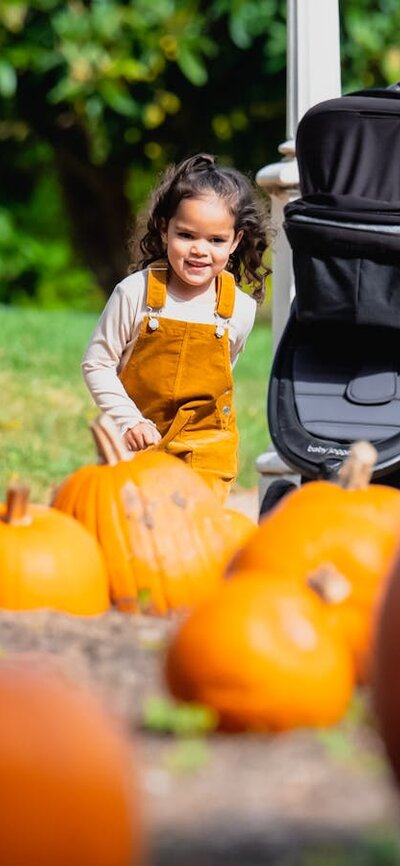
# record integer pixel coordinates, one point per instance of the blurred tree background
(97, 96)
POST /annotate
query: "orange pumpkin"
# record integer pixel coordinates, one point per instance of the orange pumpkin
(67, 782)
(48, 560)
(339, 541)
(238, 528)
(161, 527)
(262, 655)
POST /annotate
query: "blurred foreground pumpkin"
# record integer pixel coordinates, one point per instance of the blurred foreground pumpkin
(48, 560)
(263, 656)
(337, 538)
(162, 529)
(66, 792)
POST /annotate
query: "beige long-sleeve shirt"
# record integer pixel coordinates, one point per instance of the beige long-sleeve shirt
(117, 330)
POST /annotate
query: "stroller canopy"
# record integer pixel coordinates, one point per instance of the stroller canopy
(350, 145)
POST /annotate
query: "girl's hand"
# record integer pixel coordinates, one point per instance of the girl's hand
(141, 436)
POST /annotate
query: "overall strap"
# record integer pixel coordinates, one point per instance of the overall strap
(156, 285)
(226, 290)
(225, 302)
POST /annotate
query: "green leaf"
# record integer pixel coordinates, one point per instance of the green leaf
(239, 33)
(8, 79)
(192, 66)
(65, 90)
(118, 98)
(162, 715)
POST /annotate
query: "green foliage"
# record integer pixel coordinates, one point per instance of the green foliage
(162, 715)
(373, 848)
(109, 61)
(41, 271)
(37, 264)
(142, 83)
(139, 84)
(369, 43)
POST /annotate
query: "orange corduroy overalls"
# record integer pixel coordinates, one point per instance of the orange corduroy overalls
(179, 375)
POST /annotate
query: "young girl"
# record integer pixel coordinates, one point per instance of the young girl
(160, 360)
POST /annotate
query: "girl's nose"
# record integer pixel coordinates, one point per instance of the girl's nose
(198, 247)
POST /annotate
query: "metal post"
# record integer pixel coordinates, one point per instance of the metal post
(313, 74)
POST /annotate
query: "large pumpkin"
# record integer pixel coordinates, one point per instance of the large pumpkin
(340, 540)
(162, 529)
(48, 560)
(67, 779)
(262, 655)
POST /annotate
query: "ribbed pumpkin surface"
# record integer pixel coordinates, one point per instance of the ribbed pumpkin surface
(161, 528)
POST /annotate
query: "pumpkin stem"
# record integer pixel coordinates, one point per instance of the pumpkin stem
(108, 441)
(355, 472)
(17, 505)
(329, 583)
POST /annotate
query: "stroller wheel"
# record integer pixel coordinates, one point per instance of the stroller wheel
(274, 494)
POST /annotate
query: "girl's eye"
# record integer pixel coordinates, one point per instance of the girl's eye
(184, 235)
(217, 240)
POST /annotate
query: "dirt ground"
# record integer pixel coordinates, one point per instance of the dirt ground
(301, 799)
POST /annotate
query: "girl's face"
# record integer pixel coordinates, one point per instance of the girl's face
(200, 238)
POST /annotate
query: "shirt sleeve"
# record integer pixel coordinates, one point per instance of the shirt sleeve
(102, 359)
(243, 321)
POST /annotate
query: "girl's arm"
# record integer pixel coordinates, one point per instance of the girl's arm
(102, 360)
(241, 323)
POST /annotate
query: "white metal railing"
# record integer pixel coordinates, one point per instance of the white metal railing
(313, 74)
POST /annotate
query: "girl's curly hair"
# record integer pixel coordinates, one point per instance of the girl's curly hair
(194, 177)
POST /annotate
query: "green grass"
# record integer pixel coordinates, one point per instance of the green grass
(251, 375)
(45, 406)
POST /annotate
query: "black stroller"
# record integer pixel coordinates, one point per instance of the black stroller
(336, 372)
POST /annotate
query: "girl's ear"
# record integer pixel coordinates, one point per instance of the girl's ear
(237, 240)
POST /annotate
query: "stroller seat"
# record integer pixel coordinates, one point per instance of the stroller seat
(336, 372)
(347, 397)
